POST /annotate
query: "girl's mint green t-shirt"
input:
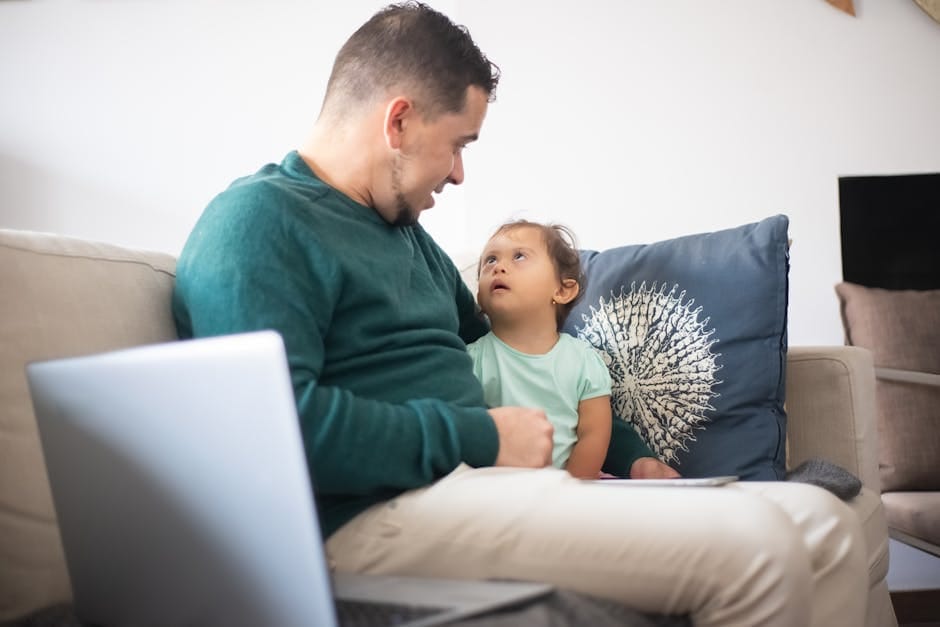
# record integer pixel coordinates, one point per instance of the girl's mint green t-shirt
(556, 382)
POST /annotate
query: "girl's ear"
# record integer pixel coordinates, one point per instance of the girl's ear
(567, 291)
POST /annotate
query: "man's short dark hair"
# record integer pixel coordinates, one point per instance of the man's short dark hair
(411, 45)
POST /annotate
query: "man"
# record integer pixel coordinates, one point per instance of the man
(414, 474)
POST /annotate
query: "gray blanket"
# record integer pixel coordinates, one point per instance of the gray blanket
(825, 474)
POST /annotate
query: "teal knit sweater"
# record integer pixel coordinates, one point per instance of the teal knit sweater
(375, 319)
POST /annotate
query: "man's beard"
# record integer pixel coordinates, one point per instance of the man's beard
(406, 215)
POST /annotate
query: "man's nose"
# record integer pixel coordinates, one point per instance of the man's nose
(456, 172)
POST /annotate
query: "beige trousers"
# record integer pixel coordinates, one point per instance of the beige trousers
(748, 554)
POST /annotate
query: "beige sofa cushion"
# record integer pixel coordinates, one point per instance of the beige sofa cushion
(902, 329)
(915, 513)
(58, 297)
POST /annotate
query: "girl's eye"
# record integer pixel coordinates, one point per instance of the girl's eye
(489, 260)
(519, 256)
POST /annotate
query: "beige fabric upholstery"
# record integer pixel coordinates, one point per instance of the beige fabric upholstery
(871, 512)
(836, 421)
(831, 414)
(902, 329)
(915, 513)
(61, 297)
(58, 297)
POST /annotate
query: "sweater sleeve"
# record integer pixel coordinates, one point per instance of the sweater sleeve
(473, 325)
(242, 275)
(626, 446)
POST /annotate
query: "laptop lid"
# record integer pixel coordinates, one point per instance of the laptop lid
(183, 496)
(181, 487)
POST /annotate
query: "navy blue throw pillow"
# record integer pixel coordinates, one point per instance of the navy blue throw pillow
(694, 332)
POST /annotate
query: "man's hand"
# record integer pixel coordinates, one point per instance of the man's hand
(525, 437)
(651, 468)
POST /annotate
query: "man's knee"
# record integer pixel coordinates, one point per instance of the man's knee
(759, 529)
(763, 563)
(832, 529)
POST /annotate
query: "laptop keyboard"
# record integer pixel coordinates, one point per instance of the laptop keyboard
(376, 614)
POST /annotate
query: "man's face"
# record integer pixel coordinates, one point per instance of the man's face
(431, 156)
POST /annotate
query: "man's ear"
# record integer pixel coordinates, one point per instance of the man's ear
(567, 291)
(398, 113)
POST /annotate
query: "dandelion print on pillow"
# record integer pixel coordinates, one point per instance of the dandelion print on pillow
(661, 362)
(694, 330)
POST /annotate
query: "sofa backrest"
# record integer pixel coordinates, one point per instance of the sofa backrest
(59, 297)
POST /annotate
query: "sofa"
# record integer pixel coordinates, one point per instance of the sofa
(901, 328)
(889, 300)
(61, 297)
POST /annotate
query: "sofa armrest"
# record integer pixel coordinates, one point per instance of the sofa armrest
(831, 409)
(908, 376)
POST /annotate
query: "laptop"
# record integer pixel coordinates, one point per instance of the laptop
(183, 496)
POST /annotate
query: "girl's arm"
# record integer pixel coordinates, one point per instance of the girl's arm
(587, 456)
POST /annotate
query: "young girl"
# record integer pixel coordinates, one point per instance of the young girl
(529, 279)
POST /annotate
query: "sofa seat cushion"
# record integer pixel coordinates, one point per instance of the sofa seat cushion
(914, 513)
(59, 297)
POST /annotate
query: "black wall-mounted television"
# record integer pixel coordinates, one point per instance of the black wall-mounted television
(890, 228)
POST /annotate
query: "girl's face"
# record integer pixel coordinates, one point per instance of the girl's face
(517, 276)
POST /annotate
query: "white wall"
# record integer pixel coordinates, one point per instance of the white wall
(632, 121)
